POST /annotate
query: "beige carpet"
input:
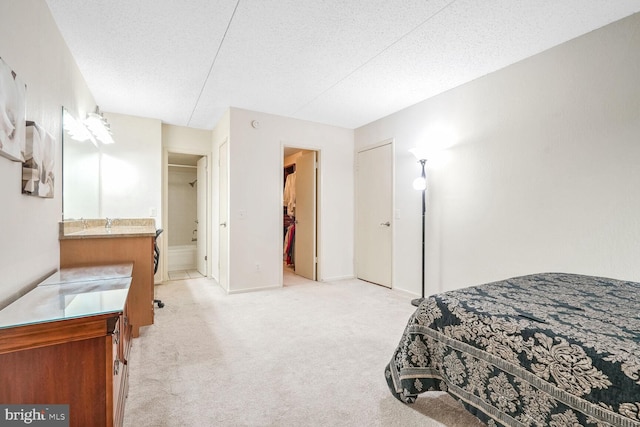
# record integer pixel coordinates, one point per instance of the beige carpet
(309, 354)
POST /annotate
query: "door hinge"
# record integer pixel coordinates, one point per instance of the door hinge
(205, 258)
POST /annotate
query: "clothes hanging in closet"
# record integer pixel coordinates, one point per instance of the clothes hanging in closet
(289, 244)
(290, 194)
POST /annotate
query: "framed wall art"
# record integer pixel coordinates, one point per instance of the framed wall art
(12, 114)
(37, 169)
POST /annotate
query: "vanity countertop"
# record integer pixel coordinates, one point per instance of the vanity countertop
(95, 228)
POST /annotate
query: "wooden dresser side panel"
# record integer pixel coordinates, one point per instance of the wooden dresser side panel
(100, 251)
(72, 373)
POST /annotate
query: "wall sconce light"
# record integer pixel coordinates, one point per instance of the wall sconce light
(420, 183)
(76, 129)
(99, 127)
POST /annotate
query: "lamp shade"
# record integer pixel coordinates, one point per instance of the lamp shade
(420, 152)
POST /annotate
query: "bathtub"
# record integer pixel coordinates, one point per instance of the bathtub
(181, 257)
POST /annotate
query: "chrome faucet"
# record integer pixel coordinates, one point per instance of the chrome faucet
(108, 223)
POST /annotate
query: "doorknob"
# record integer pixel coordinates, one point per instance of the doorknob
(224, 224)
(388, 224)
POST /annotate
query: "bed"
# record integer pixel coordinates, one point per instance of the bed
(547, 349)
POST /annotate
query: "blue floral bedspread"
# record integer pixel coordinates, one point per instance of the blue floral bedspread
(547, 349)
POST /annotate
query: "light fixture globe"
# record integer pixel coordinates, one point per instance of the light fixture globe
(420, 184)
(99, 127)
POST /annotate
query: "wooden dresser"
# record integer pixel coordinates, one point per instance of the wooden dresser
(127, 240)
(67, 342)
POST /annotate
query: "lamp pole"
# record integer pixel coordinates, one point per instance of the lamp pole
(417, 301)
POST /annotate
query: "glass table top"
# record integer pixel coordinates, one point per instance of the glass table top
(71, 293)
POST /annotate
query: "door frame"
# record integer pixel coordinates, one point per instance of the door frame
(394, 213)
(164, 242)
(319, 186)
(223, 269)
(203, 235)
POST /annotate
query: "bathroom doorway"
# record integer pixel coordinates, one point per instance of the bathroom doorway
(186, 220)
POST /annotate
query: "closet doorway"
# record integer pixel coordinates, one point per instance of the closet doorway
(299, 212)
(186, 221)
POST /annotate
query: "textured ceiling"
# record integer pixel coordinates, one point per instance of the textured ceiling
(340, 62)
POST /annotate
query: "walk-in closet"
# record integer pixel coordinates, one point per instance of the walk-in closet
(299, 212)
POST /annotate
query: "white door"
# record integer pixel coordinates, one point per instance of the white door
(223, 253)
(374, 198)
(201, 216)
(305, 235)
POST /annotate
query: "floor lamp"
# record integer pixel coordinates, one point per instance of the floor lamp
(421, 184)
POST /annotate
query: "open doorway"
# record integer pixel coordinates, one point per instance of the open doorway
(186, 222)
(299, 213)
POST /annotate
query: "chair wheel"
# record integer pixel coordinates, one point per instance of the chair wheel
(160, 304)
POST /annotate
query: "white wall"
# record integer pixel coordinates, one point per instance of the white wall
(255, 221)
(181, 139)
(544, 176)
(33, 47)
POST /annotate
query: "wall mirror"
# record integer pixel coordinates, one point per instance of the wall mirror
(80, 170)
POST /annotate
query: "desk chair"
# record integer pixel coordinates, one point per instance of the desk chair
(156, 261)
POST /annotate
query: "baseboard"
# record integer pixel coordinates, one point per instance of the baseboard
(179, 267)
(337, 278)
(262, 288)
